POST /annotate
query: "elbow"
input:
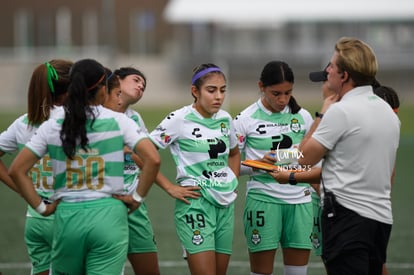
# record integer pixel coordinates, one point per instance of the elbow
(155, 161)
(306, 158)
(12, 173)
(302, 161)
(306, 162)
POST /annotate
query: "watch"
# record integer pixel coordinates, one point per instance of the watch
(292, 180)
(320, 115)
(137, 197)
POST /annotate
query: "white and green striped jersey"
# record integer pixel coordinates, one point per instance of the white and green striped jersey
(13, 140)
(97, 172)
(131, 170)
(259, 131)
(200, 148)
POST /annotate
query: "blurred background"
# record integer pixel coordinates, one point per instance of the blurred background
(166, 39)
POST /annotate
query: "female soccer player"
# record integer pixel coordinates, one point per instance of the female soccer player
(203, 144)
(85, 144)
(47, 90)
(275, 215)
(126, 87)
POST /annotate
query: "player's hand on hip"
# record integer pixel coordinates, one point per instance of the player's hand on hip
(50, 208)
(129, 202)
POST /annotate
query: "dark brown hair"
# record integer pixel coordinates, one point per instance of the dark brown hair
(40, 98)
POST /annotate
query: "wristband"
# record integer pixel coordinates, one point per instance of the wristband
(41, 208)
(320, 115)
(137, 197)
(292, 179)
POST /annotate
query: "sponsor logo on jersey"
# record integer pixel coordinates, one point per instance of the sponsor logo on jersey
(221, 174)
(211, 179)
(260, 129)
(207, 174)
(130, 167)
(90, 152)
(160, 128)
(196, 133)
(139, 131)
(170, 116)
(240, 138)
(216, 174)
(216, 163)
(165, 138)
(281, 142)
(216, 146)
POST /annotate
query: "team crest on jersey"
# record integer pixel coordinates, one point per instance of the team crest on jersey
(166, 138)
(224, 129)
(256, 239)
(295, 125)
(197, 238)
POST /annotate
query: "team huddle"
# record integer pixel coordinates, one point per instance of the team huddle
(86, 162)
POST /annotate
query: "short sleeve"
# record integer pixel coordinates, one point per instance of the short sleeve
(240, 132)
(167, 131)
(39, 141)
(331, 128)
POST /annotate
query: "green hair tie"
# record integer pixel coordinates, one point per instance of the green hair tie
(51, 75)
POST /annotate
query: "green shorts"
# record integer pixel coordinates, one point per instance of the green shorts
(38, 236)
(90, 237)
(268, 224)
(141, 234)
(316, 236)
(202, 226)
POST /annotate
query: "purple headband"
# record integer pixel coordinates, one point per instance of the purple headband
(204, 72)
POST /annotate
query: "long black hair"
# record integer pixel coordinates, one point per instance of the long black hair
(123, 72)
(86, 77)
(276, 72)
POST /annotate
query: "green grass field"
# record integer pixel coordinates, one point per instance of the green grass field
(14, 260)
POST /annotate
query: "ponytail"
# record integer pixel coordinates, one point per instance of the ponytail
(86, 79)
